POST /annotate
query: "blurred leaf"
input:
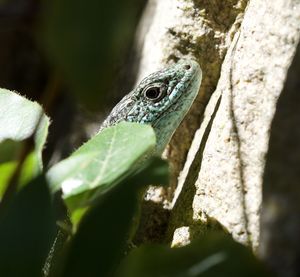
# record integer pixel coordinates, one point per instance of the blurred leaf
(27, 228)
(40, 138)
(213, 255)
(18, 121)
(85, 40)
(28, 171)
(6, 170)
(101, 162)
(9, 150)
(76, 216)
(100, 240)
(154, 171)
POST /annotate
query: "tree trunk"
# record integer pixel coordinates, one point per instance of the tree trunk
(229, 177)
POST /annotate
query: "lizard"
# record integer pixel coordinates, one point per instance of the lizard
(161, 100)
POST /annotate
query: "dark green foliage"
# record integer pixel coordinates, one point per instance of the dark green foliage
(213, 255)
(100, 240)
(27, 228)
(86, 40)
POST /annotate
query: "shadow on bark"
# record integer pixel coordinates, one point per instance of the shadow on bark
(280, 220)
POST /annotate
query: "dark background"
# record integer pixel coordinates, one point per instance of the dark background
(76, 58)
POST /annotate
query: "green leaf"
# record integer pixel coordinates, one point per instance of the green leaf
(9, 150)
(19, 118)
(100, 240)
(27, 228)
(6, 170)
(85, 41)
(102, 162)
(213, 255)
(28, 171)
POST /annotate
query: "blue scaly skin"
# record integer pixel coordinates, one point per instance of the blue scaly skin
(162, 99)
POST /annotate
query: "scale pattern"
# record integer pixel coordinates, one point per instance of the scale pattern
(178, 84)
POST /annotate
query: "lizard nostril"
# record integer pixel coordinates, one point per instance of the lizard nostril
(187, 66)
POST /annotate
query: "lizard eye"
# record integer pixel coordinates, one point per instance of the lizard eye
(154, 93)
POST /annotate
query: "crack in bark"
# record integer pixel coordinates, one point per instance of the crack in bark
(238, 141)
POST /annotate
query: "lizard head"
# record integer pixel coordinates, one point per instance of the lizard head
(162, 99)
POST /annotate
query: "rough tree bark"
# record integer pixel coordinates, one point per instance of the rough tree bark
(245, 49)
